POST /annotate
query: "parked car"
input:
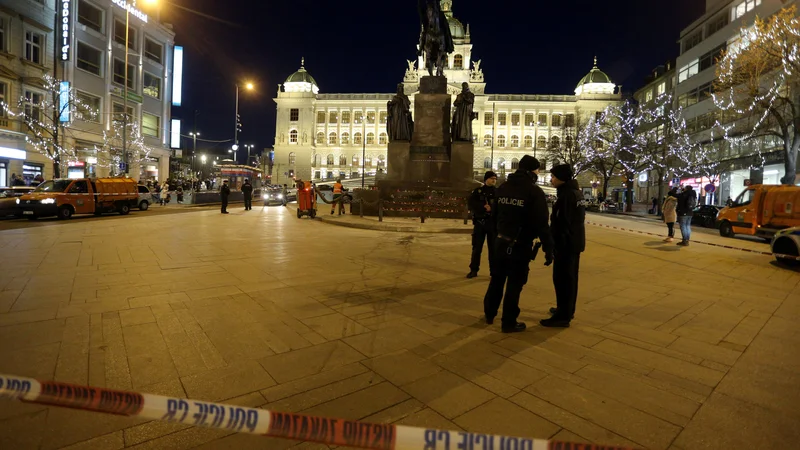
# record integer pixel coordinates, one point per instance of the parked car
(706, 216)
(786, 246)
(761, 210)
(8, 200)
(65, 197)
(145, 197)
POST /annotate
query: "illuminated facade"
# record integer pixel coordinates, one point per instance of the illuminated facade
(321, 136)
(90, 55)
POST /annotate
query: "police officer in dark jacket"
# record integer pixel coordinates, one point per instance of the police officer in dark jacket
(247, 192)
(567, 227)
(224, 192)
(521, 217)
(481, 205)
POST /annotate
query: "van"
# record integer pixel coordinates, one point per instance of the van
(65, 197)
(761, 210)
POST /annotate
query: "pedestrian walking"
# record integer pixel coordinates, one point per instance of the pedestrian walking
(521, 217)
(568, 230)
(481, 204)
(179, 193)
(224, 192)
(285, 195)
(670, 213)
(247, 192)
(337, 197)
(655, 206)
(687, 201)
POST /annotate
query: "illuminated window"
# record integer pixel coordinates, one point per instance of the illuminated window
(501, 164)
(662, 88)
(514, 141)
(529, 120)
(292, 158)
(541, 142)
(151, 124)
(556, 120)
(598, 145)
(501, 119)
(334, 117)
(487, 119)
(359, 117)
(514, 164)
(528, 141)
(688, 71)
(370, 117)
(88, 107)
(515, 119)
(743, 8)
(321, 117)
(320, 138)
(383, 116)
(152, 85)
(342, 160)
(294, 115)
(329, 160)
(345, 138)
(357, 138)
(293, 137)
(345, 116)
(487, 140)
(370, 138)
(356, 161)
(648, 96)
(555, 142)
(501, 141)
(383, 139)
(542, 120)
(458, 62)
(332, 139)
(487, 163)
(381, 161)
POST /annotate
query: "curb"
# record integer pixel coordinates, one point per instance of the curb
(393, 228)
(647, 233)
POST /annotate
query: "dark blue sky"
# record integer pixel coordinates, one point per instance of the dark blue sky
(527, 47)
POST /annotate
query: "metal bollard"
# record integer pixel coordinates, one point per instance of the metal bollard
(380, 210)
(361, 207)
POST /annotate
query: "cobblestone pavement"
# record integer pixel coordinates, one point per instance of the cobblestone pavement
(688, 348)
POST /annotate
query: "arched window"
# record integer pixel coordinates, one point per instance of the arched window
(368, 161)
(501, 141)
(381, 161)
(383, 139)
(487, 163)
(292, 158)
(317, 161)
(293, 137)
(501, 164)
(568, 141)
(541, 142)
(458, 62)
(329, 160)
(356, 161)
(356, 138)
(528, 141)
(515, 141)
(555, 142)
(320, 138)
(487, 140)
(345, 138)
(370, 138)
(514, 164)
(342, 160)
(332, 139)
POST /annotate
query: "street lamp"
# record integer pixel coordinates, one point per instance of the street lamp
(249, 147)
(363, 147)
(249, 86)
(194, 150)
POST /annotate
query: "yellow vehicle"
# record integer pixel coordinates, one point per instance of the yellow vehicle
(65, 197)
(761, 210)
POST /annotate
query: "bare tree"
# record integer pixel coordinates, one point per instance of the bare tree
(571, 148)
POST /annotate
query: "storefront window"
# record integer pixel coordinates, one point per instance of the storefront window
(30, 171)
(3, 174)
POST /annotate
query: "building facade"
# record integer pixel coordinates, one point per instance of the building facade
(90, 55)
(701, 43)
(322, 136)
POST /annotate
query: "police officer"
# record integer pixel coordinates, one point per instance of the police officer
(481, 205)
(569, 213)
(521, 217)
(247, 192)
(224, 192)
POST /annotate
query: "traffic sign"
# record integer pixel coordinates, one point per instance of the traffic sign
(123, 166)
(710, 188)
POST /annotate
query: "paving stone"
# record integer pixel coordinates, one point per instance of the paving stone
(501, 416)
(111, 441)
(706, 351)
(227, 382)
(395, 367)
(326, 393)
(448, 394)
(335, 326)
(136, 316)
(362, 403)
(311, 382)
(300, 363)
(387, 340)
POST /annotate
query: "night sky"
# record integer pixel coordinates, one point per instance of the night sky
(527, 47)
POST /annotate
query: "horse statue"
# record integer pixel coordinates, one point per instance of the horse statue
(435, 39)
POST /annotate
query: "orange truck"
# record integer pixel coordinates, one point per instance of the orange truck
(65, 197)
(761, 210)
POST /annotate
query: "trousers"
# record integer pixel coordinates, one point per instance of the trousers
(481, 232)
(686, 227)
(671, 229)
(248, 202)
(565, 280)
(224, 203)
(337, 200)
(511, 274)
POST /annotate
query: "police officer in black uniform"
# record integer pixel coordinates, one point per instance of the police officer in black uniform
(481, 205)
(521, 217)
(567, 225)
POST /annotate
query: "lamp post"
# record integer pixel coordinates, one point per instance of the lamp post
(203, 166)
(194, 150)
(249, 148)
(363, 148)
(249, 87)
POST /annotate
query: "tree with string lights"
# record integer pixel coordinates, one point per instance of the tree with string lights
(757, 89)
(41, 115)
(600, 158)
(110, 154)
(570, 149)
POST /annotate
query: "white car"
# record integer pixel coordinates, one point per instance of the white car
(786, 246)
(145, 197)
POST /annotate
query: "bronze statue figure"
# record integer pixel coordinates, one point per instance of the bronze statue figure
(435, 39)
(399, 125)
(463, 116)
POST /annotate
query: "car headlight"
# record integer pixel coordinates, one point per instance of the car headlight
(265, 196)
(48, 201)
(18, 201)
(279, 196)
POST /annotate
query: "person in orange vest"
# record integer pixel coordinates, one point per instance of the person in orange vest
(337, 197)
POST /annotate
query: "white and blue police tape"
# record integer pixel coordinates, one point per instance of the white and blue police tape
(330, 431)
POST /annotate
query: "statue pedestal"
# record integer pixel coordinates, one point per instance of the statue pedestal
(431, 139)
(399, 160)
(461, 163)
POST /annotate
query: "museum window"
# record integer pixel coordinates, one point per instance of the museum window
(294, 115)
(487, 163)
(293, 137)
(292, 158)
(329, 160)
(568, 141)
(346, 117)
(333, 139)
(381, 161)
(501, 119)
(555, 142)
(342, 160)
(383, 139)
(501, 141)
(320, 138)
(569, 120)
(383, 116)
(529, 120)
(528, 141)
(317, 161)
(359, 117)
(556, 120)
(515, 119)
(370, 138)
(345, 138)
(501, 164)
(357, 138)
(487, 119)
(321, 117)
(487, 140)
(334, 117)
(514, 164)
(458, 62)
(514, 141)
(355, 161)
(542, 120)
(541, 142)
(370, 117)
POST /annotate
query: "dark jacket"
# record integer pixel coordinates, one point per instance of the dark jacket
(247, 190)
(687, 200)
(225, 190)
(484, 195)
(567, 221)
(522, 212)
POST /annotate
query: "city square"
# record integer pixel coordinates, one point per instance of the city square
(679, 349)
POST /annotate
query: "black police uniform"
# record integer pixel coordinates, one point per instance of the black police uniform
(224, 192)
(483, 224)
(521, 217)
(567, 227)
(247, 192)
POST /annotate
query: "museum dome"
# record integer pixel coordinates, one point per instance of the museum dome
(301, 81)
(457, 29)
(595, 82)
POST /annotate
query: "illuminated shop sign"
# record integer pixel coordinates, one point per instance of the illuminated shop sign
(177, 75)
(133, 11)
(66, 27)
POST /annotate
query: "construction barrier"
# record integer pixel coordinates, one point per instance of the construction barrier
(300, 427)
